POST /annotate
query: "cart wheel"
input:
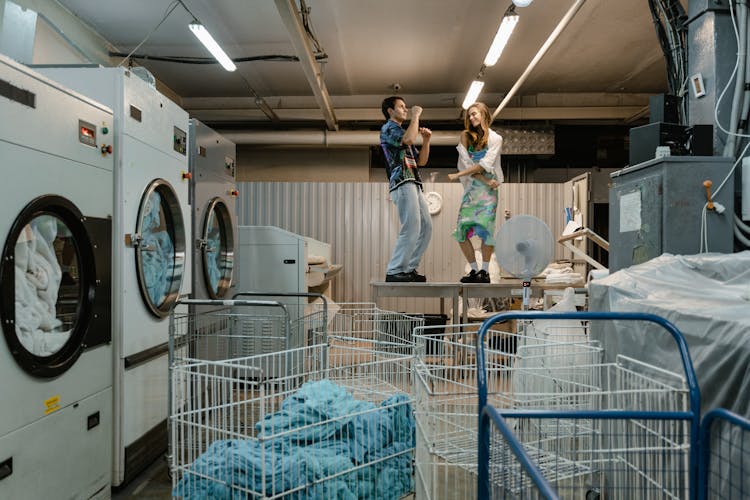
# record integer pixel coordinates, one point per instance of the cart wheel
(169, 468)
(593, 494)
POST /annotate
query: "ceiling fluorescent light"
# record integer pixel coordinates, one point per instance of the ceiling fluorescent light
(473, 93)
(202, 34)
(501, 39)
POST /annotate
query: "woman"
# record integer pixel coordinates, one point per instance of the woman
(480, 173)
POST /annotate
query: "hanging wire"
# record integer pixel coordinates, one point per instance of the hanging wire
(170, 8)
(320, 54)
(188, 10)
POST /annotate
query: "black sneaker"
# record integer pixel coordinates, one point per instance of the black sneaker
(399, 277)
(418, 278)
(470, 278)
(482, 277)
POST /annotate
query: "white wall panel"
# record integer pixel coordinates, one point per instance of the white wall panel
(361, 224)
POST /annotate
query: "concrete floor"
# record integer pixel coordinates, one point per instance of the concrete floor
(152, 484)
(155, 484)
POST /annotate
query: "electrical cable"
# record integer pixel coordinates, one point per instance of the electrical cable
(188, 10)
(741, 237)
(170, 8)
(678, 18)
(741, 224)
(211, 60)
(704, 222)
(661, 36)
(726, 87)
(668, 17)
(305, 14)
(740, 27)
(669, 42)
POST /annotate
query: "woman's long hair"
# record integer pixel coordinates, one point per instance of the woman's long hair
(478, 136)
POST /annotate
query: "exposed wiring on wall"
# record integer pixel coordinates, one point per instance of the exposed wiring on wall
(738, 120)
(170, 8)
(669, 21)
(739, 76)
(704, 221)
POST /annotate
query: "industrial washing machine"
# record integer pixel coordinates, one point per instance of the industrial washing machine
(55, 293)
(150, 258)
(213, 193)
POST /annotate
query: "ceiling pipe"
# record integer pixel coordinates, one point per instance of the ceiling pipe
(325, 138)
(288, 11)
(538, 57)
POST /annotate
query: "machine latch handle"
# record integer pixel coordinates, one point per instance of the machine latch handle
(709, 203)
(133, 240)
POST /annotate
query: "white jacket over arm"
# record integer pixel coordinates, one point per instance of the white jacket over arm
(490, 162)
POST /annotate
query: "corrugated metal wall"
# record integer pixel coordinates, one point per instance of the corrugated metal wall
(361, 224)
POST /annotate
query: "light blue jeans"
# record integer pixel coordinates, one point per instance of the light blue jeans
(416, 228)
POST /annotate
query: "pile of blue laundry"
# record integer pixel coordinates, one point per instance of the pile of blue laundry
(320, 432)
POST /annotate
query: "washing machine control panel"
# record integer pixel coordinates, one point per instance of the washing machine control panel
(180, 140)
(87, 133)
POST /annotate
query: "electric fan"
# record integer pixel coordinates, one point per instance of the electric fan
(524, 247)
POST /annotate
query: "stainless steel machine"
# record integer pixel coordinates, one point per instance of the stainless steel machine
(151, 261)
(213, 193)
(55, 291)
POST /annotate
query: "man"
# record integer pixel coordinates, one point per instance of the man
(405, 186)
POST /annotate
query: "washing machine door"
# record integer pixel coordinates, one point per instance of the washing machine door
(160, 247)
(54, 285)
(217, 248)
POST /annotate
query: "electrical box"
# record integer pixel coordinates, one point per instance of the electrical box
(681, 140)
(656, 207)
(663, 108)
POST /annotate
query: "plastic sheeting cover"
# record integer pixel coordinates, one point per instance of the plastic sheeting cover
(707, 297)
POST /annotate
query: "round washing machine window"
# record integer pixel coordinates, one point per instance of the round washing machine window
(217, 248)
(160, 247)
(47, 281)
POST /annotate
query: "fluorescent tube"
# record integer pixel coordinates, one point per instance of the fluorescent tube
(473, 93)
(202, 34)
(501, 39)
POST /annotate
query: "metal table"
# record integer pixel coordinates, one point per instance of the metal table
(509, 287)
(414, 289)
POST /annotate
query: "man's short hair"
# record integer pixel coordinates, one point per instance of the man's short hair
(390, 103)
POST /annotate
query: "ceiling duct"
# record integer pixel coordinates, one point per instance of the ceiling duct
(517, 140)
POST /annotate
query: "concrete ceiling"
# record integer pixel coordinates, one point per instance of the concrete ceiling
(607, 58)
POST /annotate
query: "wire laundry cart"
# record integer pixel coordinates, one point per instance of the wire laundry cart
(631, 430)
(222, 330)
(725, 455)
(362, 325)
(446, 394)
(337, 423)
(245, 326)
